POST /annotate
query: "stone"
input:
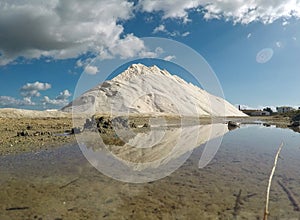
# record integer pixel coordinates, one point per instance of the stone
(22, 134)
(133, 125)
(37, 133)
(295, 124)
(296, 118)
(89, 124)
(233, 124)
(146, 125)
(75, 131)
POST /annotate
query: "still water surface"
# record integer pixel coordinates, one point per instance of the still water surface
(61, 184)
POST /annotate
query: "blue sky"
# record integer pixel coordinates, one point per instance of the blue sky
(45, 47)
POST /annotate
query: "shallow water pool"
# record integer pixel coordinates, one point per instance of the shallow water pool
(61, 183)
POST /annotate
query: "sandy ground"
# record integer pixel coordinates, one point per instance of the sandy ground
(38, 133)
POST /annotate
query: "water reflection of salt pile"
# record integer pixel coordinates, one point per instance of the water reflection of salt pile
(155, 154)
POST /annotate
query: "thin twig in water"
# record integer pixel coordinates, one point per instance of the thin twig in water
(266, 213)
(16, 208)
(69, 183)
(237, 204)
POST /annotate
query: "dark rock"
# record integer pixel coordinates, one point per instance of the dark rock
(296, 118)
(233, 124)
(75, 131)
(22, 134)
(118, 122)
(44, 133)
(101, 120)
(89, 124)
(29, 127)
(266, 125)
(101, 131)
(133, 125)
(146, 125)
(107, 124)
(294, 124)
(296, 129)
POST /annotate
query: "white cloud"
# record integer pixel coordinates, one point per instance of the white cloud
(48, 101)
(60, 100)
(63, 95)
(62, 29)
(128, 47)
(285, 23)
(33, 89)
(79, 63)
(28, 101)
(185, 34)
(171, 8)
(242, 107)
(83, 63)
(91, 70)
(169, 58)
(236, 10)
(152, 54)
(294, 38)
(8, 101)
(160, 28)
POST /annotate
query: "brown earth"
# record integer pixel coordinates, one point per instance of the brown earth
(31, 134)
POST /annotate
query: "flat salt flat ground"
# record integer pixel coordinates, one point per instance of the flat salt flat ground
(62, 184)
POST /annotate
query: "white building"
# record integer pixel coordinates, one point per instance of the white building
(284, 109)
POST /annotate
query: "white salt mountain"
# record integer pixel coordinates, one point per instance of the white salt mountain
(150, 90)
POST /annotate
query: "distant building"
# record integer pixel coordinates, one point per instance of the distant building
(252, 112)
(284, 109)
(261, 113)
